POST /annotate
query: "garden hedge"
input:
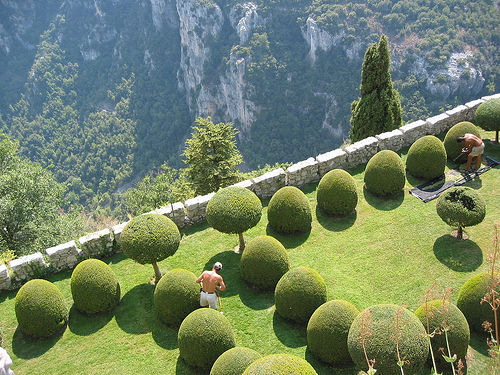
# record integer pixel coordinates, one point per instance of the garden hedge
(234, 361)
(454, 148)
(426, 158)
(280, 364)
(289, 211)
(337, 194)
(385, 174)
(488, 116)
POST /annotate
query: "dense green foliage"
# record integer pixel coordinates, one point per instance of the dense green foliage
(176, 295)
(337, 193)
(426, 158)
(280, 364)
(234, 361)
(289, 211)
(454, 148)
(40, 308)
(385, 173)
(94, 287)
(299, 293)
(389, 327)
(264, 262)
(203, 336)
(488, 116)
(327, 331)
(441, 316)
(379, 108)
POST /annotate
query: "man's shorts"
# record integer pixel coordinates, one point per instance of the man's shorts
(476, 151)
(208, 299)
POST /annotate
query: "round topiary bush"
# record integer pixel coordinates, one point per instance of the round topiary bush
(426, 158)
(40, 308)
(94, 286)
(234, 361)
(289, 211)
(488, 116)
(176, 295)
(377, 326)
(469, 301)
(458, 329)
(461, 207)
(337, 193)
(263, 263)
(299, 293)
(385, 173)
(203, 336)
(327, 331)
(280, 364)
(454, 148)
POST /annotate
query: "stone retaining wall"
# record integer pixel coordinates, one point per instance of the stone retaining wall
(106, 242)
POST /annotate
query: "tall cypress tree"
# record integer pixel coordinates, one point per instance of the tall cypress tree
(379, 108)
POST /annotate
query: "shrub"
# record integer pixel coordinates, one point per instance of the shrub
(327, 331)
(337, 193)
(458, 334)
(461, 207)
(385, 173)
(299, 293)
(176, 295)
(289, 211)
(377, 325)
(234, 361)
(149, 239)
(203, 336)
(234, 210)
(94, 287)
(280, 364)
(488, 116)
(454, 148)
(264, 261)
(426, 158)
(40, 308)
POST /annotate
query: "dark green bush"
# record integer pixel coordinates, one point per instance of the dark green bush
(94, 286)
(40, 309)
(280, 364)
(234, 361)
(203, 336)
(327, 331)
(488, 115)
(289, 211)
(380, 322)
(426, 158)
(458, 333)
(337, 193)
(264, 261)
(454, 148)
(176, 295)
(385, 173)
(299, 293)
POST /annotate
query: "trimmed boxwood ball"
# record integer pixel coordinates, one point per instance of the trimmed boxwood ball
(289, 211)
(176, 295)
(426, 158)
(299, 293)
(385, 173)
(327, 331)
(40, 308)
(234, 361)
(458, 334)
(337, 193)
(264, 262)
(94, 287)
(280, 364)
(380, 343)
(454, 148)
(203, 336)
(488, 116)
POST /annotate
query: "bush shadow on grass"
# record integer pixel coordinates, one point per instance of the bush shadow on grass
(458, 255)
(254, 298)
(84, 325)
(326, 369)
(27, 347)
(333, 223)
(182, 368)
(164, 335)
(290, 334)
(416, 181)
(230, 270)
(383, 203)
(289, 241)
(478, 342)
(135, 313)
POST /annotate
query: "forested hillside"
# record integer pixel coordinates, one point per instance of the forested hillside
(101, 92)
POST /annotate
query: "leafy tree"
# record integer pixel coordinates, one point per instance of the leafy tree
(212, 156)
(379, 108)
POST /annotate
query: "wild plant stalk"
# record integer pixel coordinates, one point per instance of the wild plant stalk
(429, 293)
(366, 333)
(398, 333)
(445, 305)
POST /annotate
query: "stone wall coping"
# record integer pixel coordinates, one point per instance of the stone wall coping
(3, 268)
(330, 155)
(388, 135)
(494, 96)
(118, 228)
(412, 125)
(198, 200)
(266, 176)
(68, 245)
(457, 110)
(14, 263)
(474, 103)
(244, 184)
(95, 235)
(302, 164)
(361, 144)
(435, 119)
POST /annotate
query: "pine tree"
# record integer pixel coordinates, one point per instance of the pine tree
(379, 108)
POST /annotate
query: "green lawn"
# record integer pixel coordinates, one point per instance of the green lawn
(390, 251)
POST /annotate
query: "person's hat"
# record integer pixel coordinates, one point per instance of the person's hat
(218, 266)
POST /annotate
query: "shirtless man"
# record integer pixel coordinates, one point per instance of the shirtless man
(210, 283)
(474, 146)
